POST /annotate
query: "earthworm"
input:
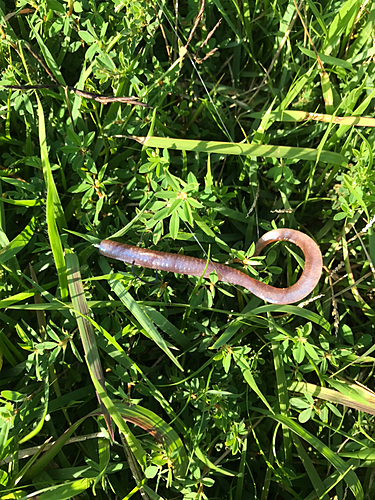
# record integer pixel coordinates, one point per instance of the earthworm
(183, 264)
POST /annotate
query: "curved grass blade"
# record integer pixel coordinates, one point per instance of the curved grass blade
(161, 431)
(281, 388)
(132, 447)
(116, 351)
(143, 418)
(297, 311)
(18, 243)
(43, 413)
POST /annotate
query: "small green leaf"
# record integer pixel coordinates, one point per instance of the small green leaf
(226, 362)
(311, 351)
(340, 216)
(151, 471)
(298, 352)
(86, 37)
(174, 225)
(305, 415)
(12, 395)
(299, 403)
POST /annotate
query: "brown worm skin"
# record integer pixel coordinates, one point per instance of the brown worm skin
(183, 264)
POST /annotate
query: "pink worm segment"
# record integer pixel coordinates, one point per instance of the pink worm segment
(183, 264)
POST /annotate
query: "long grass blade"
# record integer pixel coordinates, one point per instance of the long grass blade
(55, 213)
(137, 312)
(85, 328)
(228, 148)
(304, 116)
(357, 398)
(349, 476)
(141, 417)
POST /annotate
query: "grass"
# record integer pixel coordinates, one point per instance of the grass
(259, 116)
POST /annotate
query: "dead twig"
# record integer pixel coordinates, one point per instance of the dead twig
(103, 99)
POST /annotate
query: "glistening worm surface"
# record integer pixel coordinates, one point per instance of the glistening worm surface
(183, 264)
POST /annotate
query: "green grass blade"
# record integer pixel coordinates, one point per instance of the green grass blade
(349, 476)
(248, 376)
(297, 311)
(67, 490)
(228, 148)
(333, 61)
(85, 328)
(49, 59)
(23, 203)
(54, 209)
(241, 471)
(131, 440)
(56, 246)
(137, 312)
(117, 352)
(162, 432)
(281, 389)
(49, 455)
(341, 26)
(43, 413)
(104, 452)
(7, 348)
(19, 242)
(53, 203)
(15, 298)
(310, 469)
(150, 422)
(207, 462)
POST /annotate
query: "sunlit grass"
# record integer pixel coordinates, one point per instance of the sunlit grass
(260, 120)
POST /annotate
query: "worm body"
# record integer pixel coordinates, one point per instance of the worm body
(183, 264)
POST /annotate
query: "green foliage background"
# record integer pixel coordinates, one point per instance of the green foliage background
(223, 397)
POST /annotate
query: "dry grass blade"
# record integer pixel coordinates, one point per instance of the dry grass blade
(42, 63)
(309, 37)
(197, 20)
(205, 42)
(276, 56)
(134, 467)
(362, 400)
(301, 116)
(103, 99)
